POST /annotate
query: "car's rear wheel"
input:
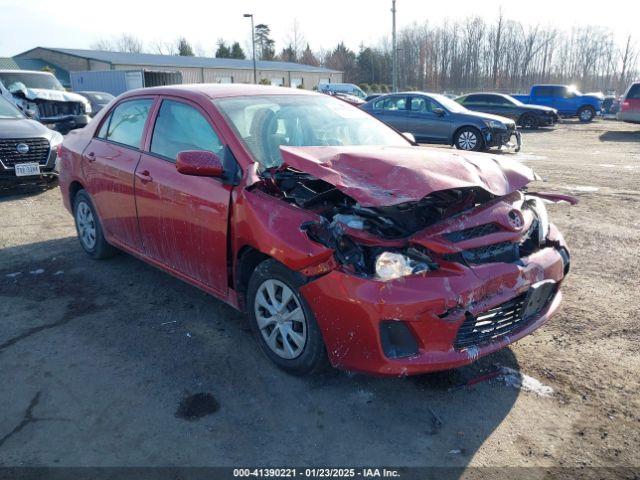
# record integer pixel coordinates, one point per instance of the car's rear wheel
(468, 138)
(282, 321)
(529, 121)
(89, 228)
(586, 114)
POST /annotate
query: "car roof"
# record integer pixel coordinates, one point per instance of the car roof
(26, 71)
(219, 90)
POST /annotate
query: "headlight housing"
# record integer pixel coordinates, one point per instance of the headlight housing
(496, 124)
(56, 140)
(540, 209)
(392, 265)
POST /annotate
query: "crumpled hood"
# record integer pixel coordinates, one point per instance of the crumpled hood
(52, 95)
(385, 176)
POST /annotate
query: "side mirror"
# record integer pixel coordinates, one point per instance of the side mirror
(409, 136)
(438, 111)
(199, 163)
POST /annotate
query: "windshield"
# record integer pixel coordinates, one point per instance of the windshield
(14, 81)
(266, 122)
(447, 103)
(8, 111)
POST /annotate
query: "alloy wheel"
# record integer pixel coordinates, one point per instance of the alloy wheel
(586, 115)
(281, 319)
(467, 140)
(86, 225)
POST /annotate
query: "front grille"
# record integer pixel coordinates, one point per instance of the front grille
(55, 109)
(507, 252)
(493, 323)
(473, 232)
(38, 151)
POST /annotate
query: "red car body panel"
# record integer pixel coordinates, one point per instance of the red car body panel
(383, 176)
(196, 228)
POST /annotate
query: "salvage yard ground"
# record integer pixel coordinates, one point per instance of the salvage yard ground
(99, 360)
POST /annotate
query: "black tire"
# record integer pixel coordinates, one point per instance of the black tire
(99, 249)
(313, 356)
(528, 120)
(586, 114)
(463, 139)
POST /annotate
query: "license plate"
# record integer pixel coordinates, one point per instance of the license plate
(538, 297)
(26, 169)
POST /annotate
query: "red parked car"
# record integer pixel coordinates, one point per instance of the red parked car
(341, 239)
(630, 104)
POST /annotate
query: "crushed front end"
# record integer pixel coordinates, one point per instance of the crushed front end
(428, 284)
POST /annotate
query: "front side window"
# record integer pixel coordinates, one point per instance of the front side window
(126, 122)
(422, 105)
(266, 122)
(180, 127)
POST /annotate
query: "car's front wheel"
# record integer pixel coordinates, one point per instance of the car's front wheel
(89, 228)
(529, 121)
(468, 138)
(586, 114)
(282, 321)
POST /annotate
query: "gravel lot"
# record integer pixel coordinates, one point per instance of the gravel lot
(96, 357)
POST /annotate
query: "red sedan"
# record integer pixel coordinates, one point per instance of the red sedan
(342, 240)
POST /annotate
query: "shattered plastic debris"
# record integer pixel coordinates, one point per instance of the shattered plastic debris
(515, 379)
(37, 271)
(59, 272)
(13, 275)
(582, 188)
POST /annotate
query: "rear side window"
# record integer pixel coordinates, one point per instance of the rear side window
(126, 122)
(181, 127)
(634, 92)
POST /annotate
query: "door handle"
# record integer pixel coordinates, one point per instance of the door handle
(144, 176)
(91, 156)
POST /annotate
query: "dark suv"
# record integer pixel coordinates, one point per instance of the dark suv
(434, 118)
(527, 116)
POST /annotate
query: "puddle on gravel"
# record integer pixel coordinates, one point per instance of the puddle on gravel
(197, 406)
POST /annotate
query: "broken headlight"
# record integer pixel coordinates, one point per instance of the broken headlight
(540, 209)
(392, 265)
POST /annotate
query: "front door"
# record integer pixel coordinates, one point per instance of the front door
(109, 163)
(392, 110)
(183, 219)
(426, 125)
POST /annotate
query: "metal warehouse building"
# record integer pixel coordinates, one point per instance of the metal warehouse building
(167, 69)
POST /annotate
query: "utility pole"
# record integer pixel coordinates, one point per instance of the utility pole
(394, 47)
(253, 45)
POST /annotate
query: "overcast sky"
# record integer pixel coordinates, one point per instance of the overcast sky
(79, 23)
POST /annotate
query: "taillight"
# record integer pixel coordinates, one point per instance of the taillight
(625, 105)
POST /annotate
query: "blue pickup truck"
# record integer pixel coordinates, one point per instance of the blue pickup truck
(566, 99)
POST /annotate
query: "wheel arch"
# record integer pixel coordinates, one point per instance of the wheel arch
(461, 127)
(74, 187)
(246, 261)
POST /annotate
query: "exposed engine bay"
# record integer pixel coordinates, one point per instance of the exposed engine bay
(376, 241)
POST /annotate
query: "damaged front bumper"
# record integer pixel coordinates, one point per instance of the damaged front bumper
(430, 322)
(511, 139)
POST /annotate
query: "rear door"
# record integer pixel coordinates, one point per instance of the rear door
(109, 163)
(424, 124)
(392, 110)
(183, 219)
